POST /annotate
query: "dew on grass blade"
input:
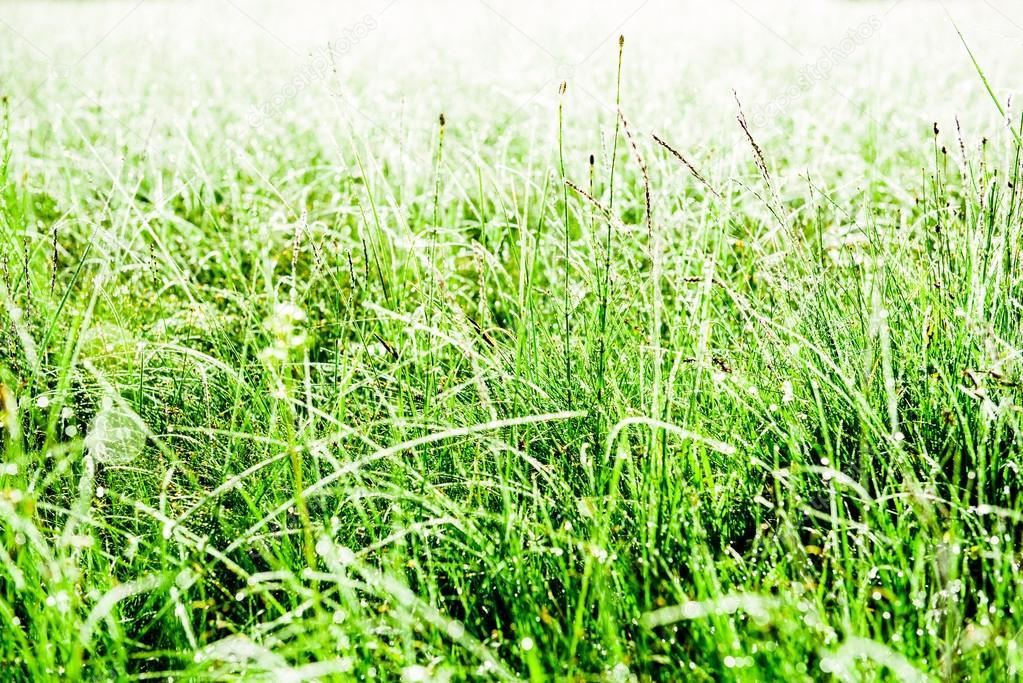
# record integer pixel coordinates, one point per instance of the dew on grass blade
(116, 435)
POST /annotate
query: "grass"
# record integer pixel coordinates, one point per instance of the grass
(312, 401)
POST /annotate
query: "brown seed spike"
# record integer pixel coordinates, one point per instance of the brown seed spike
(592, 160)
(563, 88)
(441, 119)
(758, 154)
(646, 180)
(613, 219)
(692, 169)
(936, 128)
(621, 40)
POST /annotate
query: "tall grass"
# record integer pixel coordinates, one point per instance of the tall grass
(305, 414)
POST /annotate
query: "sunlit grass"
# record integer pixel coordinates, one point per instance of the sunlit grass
(538, 397)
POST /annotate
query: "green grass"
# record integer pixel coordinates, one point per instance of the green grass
(316, 401)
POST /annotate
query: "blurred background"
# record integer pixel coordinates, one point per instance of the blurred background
(225, 68)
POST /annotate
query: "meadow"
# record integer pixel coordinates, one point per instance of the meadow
(526, 341)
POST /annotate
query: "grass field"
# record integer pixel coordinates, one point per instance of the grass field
(344, 342)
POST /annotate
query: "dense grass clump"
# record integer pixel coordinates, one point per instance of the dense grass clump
(307, 402)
